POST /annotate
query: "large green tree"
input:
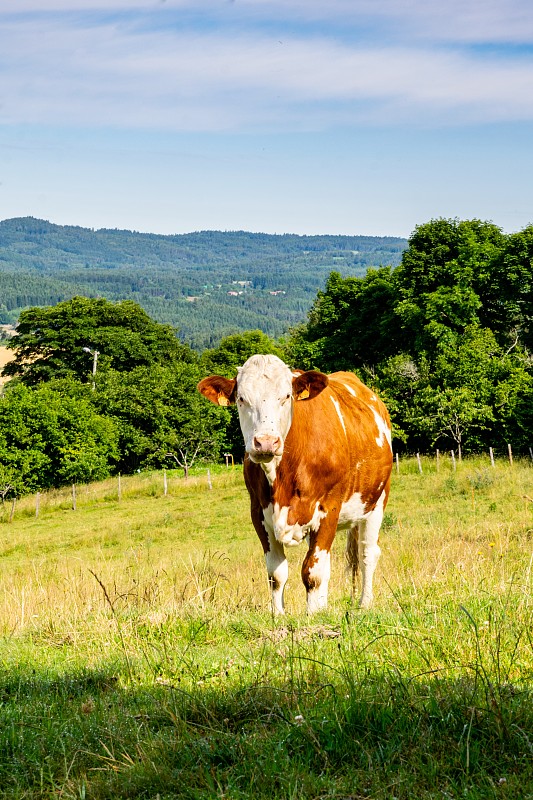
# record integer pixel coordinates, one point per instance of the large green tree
(50, 436)
(159, 413)
(60, 341)
(349, 324)
(446, 337)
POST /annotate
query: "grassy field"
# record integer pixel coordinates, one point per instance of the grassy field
(139, 659)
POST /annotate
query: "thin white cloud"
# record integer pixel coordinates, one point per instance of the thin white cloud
(467, 21)
(105, 74)
(474, 21)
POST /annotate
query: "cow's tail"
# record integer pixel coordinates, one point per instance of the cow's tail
(352, 556)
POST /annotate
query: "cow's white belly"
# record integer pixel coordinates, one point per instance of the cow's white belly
(352, 511)
(275, 521)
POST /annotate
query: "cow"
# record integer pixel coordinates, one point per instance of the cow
(318, 459)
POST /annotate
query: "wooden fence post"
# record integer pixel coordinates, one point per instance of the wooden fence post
(510, 454)
(531, 453)
(438, 455)
(209, 484)
(491, 453)
(453, 460)
(37, 503)
(165, 483)
(119, 488)
(74, 497)
(397, 464)
(419, 463)
(12, 513)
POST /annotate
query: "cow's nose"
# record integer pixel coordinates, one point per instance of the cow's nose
(266, 444)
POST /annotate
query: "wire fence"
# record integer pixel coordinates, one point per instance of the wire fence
(164, 483)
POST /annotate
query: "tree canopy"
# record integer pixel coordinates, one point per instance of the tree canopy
(446, 337)
(60, 341)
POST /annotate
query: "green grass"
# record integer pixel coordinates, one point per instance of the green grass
(139, 659)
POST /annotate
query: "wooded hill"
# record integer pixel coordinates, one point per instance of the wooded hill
(185, 279)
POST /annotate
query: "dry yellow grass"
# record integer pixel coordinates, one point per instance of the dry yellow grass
(138, 652)
(447, 538)
(5, 356)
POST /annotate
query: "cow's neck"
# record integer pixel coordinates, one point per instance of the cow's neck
(270, 469)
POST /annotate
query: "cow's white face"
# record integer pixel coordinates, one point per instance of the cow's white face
(265, 402)
(264, 390)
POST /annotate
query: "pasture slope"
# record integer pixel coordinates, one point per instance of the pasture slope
(139, 658)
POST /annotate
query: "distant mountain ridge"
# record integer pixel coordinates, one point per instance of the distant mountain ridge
(206, 283)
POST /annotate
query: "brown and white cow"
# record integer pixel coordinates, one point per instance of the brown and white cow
(318, 459)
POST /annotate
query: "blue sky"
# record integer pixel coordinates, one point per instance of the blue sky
(283, 116)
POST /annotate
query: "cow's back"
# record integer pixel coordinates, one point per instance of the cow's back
(340, 439)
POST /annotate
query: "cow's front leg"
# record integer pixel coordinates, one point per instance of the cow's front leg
(275, 560)
(278, 572)
(316, 568)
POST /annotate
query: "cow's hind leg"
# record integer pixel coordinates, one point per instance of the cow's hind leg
(352, 556)
(369, 550)
(278, 572)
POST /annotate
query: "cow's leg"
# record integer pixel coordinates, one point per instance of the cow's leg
(369, 550)
(316, 568)
(275, 560)
(278, 572)
(352, 556)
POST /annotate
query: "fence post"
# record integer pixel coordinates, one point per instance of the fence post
(453, 460)
(510, 454)
(419, 463)
(397, 464)
(209, 484)
(119, 488)
(165, 483)
(37, 503)
(438, 463)
(74, 497)
(12, 513)
(491, 453)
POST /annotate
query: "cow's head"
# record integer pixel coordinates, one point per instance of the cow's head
(264, 391)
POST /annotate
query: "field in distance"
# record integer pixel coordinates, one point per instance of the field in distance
(139, 657)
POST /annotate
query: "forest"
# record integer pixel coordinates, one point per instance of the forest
(99, 387)
(182, 280)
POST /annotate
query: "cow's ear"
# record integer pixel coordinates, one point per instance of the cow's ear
(219, 390)
(308, 384)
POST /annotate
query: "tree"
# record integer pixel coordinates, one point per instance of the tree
(158, 411)
(443, 277)
(48, 438)
(509, 305)
(59, 341)
(349, 324)
(234, 350)
(446, 337)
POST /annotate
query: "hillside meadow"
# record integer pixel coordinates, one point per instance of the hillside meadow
(139, 658)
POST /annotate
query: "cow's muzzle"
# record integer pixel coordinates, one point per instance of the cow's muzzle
(264, 448)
